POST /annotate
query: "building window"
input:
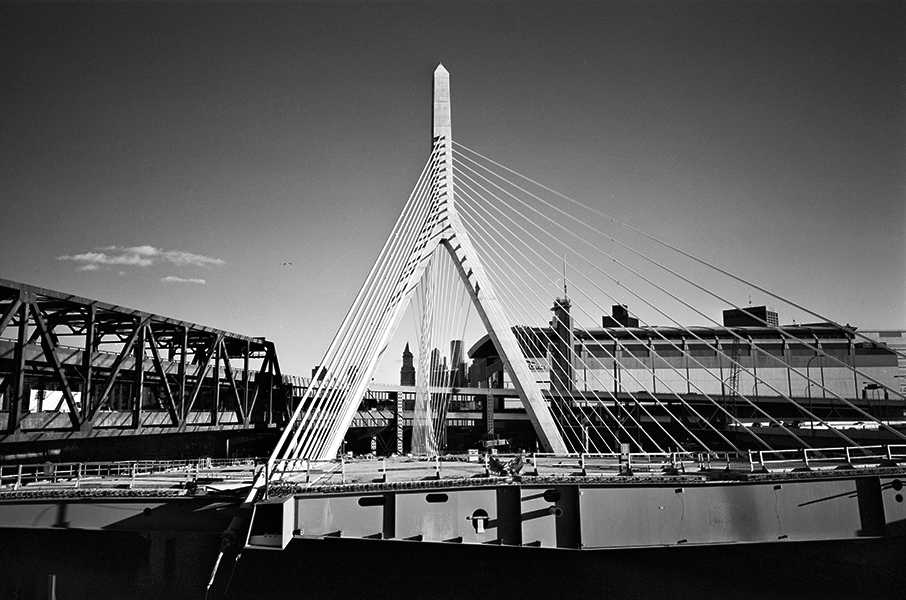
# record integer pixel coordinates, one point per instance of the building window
(636, 351)
(701, 350)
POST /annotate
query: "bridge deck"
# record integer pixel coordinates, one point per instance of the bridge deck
(125, 479)
(369, 474)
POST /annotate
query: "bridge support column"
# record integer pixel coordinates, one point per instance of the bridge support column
(138, 382)
(487, 413)
(88, 363)
(398, 419)
(19, 402)
(215, 404)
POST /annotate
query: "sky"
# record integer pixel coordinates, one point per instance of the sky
(240, 164)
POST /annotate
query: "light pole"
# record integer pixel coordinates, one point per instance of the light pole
(808, 391)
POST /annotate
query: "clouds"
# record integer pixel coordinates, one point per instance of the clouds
(142, 256)
(172, 279)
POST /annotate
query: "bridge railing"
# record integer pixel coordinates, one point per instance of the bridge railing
(301, 473)
(584, 464)
(142, 472)
(826, 458)
(377, 470)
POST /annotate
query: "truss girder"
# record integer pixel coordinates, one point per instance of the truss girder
(165, 383)
(55, 341)
(50, 343)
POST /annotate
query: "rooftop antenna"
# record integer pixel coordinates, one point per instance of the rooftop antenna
(565, 294)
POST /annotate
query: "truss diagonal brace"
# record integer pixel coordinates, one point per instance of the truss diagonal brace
(228, 370)
(162, 373)
(115, 371)
(50, 347)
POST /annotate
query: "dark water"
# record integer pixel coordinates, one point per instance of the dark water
(337, 568)
(105, 564)
(94, 564)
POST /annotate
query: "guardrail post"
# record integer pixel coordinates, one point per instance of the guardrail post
(133, 468)
(307, 470)
(889, 453)
(384, 470)
(805, 458)
(78, 481)
(848, 459)
(343, 468)
(751, 462)
(582, 465)
(18, 478)
(535, 463)
(437, 467)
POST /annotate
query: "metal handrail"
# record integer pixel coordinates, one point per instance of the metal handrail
(74, 473)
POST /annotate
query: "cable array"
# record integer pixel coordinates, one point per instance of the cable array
(539, 269)
(632, 382)
(328, 405)
(442, 308)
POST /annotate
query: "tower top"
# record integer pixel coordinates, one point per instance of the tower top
(442, 126)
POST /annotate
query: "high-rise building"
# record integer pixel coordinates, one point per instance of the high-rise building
(751, 316)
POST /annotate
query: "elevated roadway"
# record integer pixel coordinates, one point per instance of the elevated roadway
(74, 368)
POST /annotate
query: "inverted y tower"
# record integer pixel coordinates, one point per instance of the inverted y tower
(429, 220)
(471, 271)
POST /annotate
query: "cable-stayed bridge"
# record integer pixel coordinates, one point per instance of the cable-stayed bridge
(537, 270)
(651, 432)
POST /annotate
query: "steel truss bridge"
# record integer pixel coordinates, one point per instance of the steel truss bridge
(76, 368)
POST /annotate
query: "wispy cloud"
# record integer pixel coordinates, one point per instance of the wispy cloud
(172, 279)
(139, 256)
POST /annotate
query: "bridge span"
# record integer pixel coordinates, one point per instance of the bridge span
(75, 369)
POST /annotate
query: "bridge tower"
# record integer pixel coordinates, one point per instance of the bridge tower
(471, 271)
(429, 221)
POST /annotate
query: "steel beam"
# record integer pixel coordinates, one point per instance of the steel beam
(203, 373)
(215, 405)
(113, 347)
(19, 400)
(158, 365)
(228, 369)
(138, 380)
(88, 356)
(117, 366)
(50, 344)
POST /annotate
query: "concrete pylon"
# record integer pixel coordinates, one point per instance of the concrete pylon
(455, 240)
(442, 125)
